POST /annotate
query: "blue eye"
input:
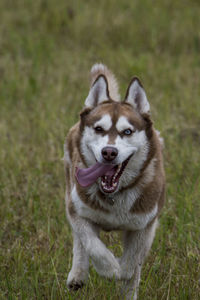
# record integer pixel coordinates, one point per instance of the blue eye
(127, 131)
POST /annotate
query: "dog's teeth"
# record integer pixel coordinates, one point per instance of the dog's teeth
(103, 183)
(119, 167)
(115, 184)
(118, 170)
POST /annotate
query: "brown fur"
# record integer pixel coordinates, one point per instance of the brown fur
(150, 195)
(88, 200)
(71, 208)
(154, 191)
(136, 217)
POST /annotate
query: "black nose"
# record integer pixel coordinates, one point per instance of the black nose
(109, 153)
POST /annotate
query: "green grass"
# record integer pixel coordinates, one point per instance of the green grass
(46, 51)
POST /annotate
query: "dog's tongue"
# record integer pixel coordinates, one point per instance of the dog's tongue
(86, 177)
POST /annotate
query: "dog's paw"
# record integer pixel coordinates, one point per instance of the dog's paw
(75, 285)
(76, 279)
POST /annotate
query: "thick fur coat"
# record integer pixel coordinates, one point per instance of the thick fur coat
(127, 198)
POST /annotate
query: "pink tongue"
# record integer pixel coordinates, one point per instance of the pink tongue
(86, 177)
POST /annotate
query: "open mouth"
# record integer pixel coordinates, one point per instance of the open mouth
(110, 181)
(109, 175)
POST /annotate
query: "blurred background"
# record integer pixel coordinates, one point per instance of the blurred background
(46, 51)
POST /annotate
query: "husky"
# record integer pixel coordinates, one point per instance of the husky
(115, 180)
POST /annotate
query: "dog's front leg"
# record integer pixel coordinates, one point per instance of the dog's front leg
(103, 259)
(80, 265)
(136, 247)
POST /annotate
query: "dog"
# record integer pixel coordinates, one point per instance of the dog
(115, 180)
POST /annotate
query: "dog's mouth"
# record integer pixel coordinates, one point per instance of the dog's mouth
(110, 181)
(109, 175)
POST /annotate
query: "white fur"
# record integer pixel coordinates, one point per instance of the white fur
(136, 144)
(160, 139)
(105, 122)
(123, 124)
(79, 271)
(136, 246)
(120, 216)
(97, 93)
(66, 157)
(103, 259)
(92, 144)
(138, 228)
(86, 241)
(98, 69)
(137, 92)
(88, 221)
(137, 243)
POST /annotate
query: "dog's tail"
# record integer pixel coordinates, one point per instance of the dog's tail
(98, 69)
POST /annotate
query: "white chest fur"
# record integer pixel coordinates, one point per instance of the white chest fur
(119, 216)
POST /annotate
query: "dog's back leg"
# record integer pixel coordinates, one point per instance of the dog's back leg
(130, 287)
(80, 265)
(136, 247)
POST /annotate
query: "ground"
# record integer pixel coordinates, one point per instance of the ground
(46, 51)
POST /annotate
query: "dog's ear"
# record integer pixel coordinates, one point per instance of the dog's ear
(136, 96)
(98, 92)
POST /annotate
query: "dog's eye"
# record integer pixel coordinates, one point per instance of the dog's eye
(128, 131)
(98, 129)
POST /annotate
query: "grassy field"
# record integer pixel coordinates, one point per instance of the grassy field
(46, 51)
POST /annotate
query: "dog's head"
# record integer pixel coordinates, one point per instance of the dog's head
(114, 135)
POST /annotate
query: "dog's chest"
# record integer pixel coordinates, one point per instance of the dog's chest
(117, 216)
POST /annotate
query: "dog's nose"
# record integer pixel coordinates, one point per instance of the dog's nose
(109, 153)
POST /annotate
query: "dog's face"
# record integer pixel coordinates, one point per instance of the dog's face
(114, 133)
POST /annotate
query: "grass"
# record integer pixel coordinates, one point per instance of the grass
(46, 51)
